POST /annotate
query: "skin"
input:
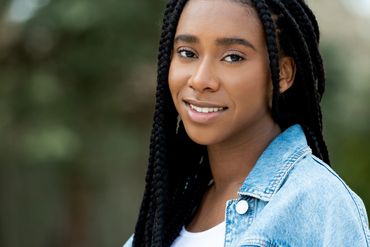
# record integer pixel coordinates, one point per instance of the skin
(220, 60)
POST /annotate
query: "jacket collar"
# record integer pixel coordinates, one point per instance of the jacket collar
(273, 166)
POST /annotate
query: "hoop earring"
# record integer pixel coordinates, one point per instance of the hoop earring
(178, 124)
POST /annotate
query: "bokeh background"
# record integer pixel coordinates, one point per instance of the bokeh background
(77, 80)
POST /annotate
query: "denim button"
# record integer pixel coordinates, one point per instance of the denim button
(242, 207)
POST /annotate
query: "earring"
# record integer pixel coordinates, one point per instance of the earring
(178, 124)
(201, 160)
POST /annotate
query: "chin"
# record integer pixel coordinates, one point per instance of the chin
(203, 137)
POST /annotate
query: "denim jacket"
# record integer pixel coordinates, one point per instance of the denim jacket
(292, 198)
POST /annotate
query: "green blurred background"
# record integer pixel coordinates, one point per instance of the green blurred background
(77, 80)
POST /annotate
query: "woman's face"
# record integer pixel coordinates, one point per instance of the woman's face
(219, 74)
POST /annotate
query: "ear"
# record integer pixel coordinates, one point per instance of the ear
(287, 73)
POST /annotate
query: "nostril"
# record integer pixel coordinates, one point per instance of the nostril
(201, 85)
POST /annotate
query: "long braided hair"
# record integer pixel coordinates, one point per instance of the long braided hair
(178, 171)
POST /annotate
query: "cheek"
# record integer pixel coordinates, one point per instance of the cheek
(251, 89)
(173, 81)
(176, 82)
(177, 77)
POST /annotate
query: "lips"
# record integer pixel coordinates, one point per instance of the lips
(202, 111)
(204, 104)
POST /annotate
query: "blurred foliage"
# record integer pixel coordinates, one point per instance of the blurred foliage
(346, 116)
(76, 98)
(77, 81)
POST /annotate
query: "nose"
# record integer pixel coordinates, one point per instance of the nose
(204, 77)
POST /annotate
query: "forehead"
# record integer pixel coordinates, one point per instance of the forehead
(220, 18)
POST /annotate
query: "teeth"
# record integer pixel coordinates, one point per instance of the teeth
(205, 109)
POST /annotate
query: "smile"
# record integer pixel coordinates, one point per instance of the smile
(205, 109)
(203, 112)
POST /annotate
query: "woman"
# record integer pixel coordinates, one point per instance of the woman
(237, 156)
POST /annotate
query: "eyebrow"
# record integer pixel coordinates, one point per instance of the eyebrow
(234, 41)
(227, 41)
(187, 38)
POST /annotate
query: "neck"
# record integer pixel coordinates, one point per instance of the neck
(231, 161)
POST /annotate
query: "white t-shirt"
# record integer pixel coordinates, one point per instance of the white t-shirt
(213, 237)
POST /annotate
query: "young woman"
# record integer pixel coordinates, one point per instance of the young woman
(237, 156)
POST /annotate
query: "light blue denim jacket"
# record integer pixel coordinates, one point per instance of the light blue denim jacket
(292, 198)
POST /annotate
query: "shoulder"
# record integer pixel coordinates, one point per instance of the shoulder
(314, 197)
(311, 178)
(314, 181)
(312, 207)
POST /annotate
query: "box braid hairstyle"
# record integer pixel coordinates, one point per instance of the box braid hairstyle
(178, 171)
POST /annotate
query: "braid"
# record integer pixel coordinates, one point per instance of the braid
(310, 30)
(298, 28)
(150, 225)
(295, 32)
(270, 31)
(190, 183)
(314, 33)
(170, 191)
(312, 17)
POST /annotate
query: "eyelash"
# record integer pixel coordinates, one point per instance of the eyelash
(238, 57)
(186, 51)
(188, 54)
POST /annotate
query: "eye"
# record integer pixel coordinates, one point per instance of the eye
(233, 58)
(186, 53)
